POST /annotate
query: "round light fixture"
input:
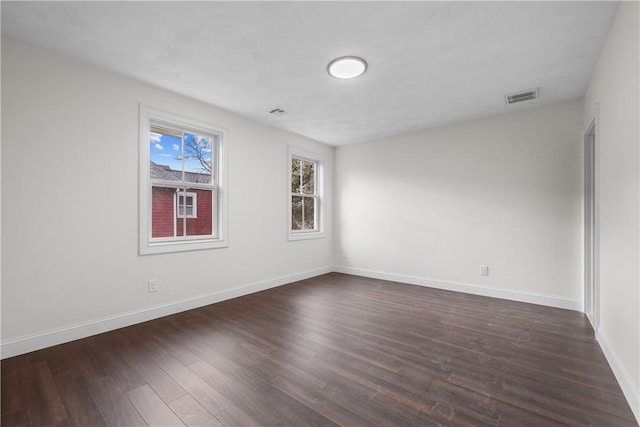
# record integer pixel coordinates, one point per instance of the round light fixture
(347, 67)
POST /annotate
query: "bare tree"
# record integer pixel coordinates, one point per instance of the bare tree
(303, 195)
(199, 148)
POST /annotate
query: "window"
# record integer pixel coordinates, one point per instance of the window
(189, 202)
(306, 204)
(181, 184)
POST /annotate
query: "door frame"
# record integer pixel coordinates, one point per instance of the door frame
(591, 219)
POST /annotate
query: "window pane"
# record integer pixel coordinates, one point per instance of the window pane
(308, 177)
(165, 151)
(168, 211)
(202, 212)
(198, 158)
(162, 211)
(296, 213)
(295, 175)
(166, 156)
(309, 209)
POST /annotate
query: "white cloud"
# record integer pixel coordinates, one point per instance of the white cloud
(154, 137)
(158, 146)
(176, 147)
(165, 155)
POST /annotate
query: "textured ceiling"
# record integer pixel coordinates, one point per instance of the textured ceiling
(430, 63)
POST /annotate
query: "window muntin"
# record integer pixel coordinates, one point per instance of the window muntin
(181, 165)
(305, 196)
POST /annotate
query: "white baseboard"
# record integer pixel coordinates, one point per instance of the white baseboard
(529, 297)
(53, 337)
(625, 380)
(26, 344)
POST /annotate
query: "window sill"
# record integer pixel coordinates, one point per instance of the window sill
(306, 236)
(182, 246)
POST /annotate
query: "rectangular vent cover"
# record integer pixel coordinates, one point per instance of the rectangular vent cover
(513, 98)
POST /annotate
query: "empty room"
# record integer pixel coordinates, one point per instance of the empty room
(320, 213)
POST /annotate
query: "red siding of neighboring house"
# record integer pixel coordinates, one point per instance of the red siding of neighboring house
(162, 211)
(200, 226)
(162, 214)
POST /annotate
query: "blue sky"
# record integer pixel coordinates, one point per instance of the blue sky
(167, 150)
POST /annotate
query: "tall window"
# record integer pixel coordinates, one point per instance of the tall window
(305, 196)
(181, 177)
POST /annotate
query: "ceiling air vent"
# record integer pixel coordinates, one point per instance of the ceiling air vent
(277, 112)
(528, 95)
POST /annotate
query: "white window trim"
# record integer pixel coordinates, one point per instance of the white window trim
(320, 162)
(194, 209)
(147, 245)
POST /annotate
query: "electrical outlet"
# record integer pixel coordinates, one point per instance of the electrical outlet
(152, 285)
(484, 270)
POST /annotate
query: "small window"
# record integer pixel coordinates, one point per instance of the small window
(305, 196)
(181, 184)
(187, 205)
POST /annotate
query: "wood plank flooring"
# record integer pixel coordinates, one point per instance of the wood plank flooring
(332, 350)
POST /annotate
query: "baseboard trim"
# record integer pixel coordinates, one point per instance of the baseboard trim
(28, 343)
(528, 297)
(629, 390)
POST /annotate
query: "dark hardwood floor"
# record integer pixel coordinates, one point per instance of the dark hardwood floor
(332, 350)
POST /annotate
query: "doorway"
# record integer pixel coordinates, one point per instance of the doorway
(591, 289)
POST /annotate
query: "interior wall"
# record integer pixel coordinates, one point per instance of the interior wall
(435, 205)
(70, 199)
(614, 87)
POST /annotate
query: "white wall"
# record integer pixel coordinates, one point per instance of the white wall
(614, 86)
(431, 207)
(70, 201)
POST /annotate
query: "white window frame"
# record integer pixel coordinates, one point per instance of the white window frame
(194, 198)
(319, 185)
(149, 245)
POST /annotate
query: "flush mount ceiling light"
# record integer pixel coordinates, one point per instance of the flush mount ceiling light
(347, 67)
